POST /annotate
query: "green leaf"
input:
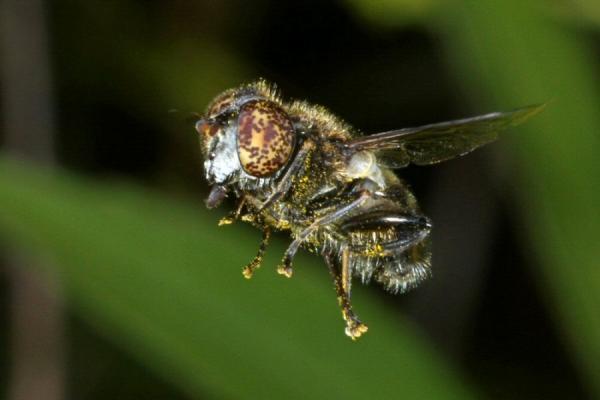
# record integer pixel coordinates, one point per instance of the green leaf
(161, 280)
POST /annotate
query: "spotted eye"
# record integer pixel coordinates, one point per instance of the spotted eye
(265, 138)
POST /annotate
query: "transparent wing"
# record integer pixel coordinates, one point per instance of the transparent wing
(434, 143)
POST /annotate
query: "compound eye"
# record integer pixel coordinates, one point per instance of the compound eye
(265, 138)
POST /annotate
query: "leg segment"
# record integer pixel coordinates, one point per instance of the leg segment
(255, 263)
(234, 215)
(343, 287)
(286, 264)
(286, 180)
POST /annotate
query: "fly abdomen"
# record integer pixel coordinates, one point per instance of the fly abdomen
(391, 248)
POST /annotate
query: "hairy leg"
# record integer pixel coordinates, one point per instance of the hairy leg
(284, 184)
(286, 264)
(255, 263)
(342, 277)
(234, 215)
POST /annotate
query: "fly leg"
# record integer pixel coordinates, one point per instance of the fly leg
(343, 286)
(255, 263)
(284, 184)
(252, 217)
(234, 215)
(286, 264)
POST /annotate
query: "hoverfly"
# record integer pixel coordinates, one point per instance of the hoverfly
(296, 167)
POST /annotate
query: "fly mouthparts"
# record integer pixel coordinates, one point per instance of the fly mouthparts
(216, 196)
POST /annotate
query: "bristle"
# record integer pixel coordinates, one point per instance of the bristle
(265, 89)
(398, 270)
(321, 119)
(259, 88)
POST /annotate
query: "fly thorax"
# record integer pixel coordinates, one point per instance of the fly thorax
(363, 165)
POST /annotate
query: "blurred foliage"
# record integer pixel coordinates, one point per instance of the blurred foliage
(582, 10)
(137, 266)
(394, 12)
(506, 57)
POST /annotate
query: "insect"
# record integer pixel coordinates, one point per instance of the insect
(296, 167)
